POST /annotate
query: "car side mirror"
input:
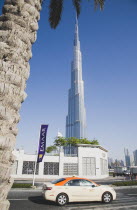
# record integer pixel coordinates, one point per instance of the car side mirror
(93, 185)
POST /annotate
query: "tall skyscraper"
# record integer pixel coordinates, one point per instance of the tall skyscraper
(135, 157)
(76, 118)
(127, 157)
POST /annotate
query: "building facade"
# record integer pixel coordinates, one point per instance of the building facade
(85, 160)
(135, 157)
(76, 118)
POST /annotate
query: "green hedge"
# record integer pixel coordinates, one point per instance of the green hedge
(125, 183)
(110, 173)
(21, 185)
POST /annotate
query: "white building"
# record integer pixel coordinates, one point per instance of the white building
(84, 160)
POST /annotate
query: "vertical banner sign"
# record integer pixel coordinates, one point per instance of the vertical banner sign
(42, 143)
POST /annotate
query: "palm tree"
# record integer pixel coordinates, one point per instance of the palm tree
(18, 26)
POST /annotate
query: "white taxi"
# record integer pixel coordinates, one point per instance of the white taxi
(75, 189)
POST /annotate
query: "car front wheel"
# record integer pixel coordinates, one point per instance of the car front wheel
(62, 199)
(107, 197)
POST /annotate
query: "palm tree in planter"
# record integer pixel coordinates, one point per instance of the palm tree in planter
(18, 26)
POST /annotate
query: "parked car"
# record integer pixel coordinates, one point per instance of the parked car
(75, 189)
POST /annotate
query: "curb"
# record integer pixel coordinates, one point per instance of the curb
(40, 189)
(124, 187)
(26, 189)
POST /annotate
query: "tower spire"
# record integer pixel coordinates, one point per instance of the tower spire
(76, 19)
(76, 37)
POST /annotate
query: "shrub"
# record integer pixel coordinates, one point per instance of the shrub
(125, 183)
(21, 185)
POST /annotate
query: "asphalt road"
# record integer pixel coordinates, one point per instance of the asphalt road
(32, 200)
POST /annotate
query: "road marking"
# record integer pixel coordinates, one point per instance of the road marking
(127, 198)
(115, 202)
(131, 194)
(18, 199)
(105, 207)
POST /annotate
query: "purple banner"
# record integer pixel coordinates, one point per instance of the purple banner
(42, 143)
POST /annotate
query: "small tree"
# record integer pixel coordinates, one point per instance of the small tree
(51, 148)
(62, 141)
(73, 141)
(84, 141)
(95, 142)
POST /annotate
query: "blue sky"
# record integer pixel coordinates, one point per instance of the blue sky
(109, 49)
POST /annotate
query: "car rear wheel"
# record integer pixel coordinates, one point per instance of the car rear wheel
(107, 197)
(62, 199)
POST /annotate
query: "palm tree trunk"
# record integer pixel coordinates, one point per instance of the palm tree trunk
(18, 26)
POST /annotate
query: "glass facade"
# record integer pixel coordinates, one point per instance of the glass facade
(71, 151)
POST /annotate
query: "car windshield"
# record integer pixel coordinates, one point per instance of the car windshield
(57, 181)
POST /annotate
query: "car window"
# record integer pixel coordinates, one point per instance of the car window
(74, 182)
(84, 182)
(57, 181)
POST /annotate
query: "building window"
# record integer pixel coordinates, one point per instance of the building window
(29, 166)
(89, 166)
(51, 168)
(70, 169)
(103, 166)
(15, 167)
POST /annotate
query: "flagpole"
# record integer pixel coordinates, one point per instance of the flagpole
(38, 152)
(34, 170)
(34, 173)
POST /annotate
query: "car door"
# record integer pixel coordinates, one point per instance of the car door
(90, 190)
(74, 190)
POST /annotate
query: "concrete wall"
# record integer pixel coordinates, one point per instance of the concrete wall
(95, 153)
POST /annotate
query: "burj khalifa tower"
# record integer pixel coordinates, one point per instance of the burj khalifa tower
(76, 118)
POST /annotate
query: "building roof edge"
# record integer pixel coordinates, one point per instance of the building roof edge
(93, 146)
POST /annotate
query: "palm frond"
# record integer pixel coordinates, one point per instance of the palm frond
(55, 12)
(99, 3)
(77, 5)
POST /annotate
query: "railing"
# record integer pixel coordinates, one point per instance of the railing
(52, 154)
